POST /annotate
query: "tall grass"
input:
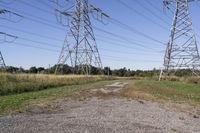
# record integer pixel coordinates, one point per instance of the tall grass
(18, 83)
(191, 79)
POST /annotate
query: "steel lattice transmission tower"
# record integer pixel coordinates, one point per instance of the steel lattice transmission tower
(2, 63)
(80, 47)
(4, 37)
(181, 51)
(9, 16)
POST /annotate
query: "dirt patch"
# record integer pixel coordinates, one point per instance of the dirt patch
(106, 91)
(113, 88)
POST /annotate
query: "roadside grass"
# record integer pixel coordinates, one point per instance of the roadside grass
(19, 83)
(176, 91)
(16, 103)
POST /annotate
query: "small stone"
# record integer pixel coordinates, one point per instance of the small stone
(195, 116)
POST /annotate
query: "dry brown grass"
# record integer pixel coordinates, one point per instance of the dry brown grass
(134, 92)
(18, 83)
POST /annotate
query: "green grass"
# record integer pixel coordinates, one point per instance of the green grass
(21, 102)
(168, 90)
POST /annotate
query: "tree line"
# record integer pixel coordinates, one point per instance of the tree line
(122, 72)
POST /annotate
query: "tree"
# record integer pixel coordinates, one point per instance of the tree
(95, 70)
(40, 69)
(12, 69)
(120, 72)
(107, 71)
(33, 70)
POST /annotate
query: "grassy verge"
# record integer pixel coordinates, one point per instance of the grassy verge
(21, 102)
(165, 90)
(19, 83)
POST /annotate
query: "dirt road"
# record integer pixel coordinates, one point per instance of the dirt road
(112, 115)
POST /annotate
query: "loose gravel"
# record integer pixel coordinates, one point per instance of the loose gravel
(105, 116)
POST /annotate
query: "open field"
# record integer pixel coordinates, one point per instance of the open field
(104, 106)
(19, 96)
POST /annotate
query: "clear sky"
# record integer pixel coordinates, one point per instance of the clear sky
(39, 25)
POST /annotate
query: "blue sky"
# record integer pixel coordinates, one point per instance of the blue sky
(115, 52)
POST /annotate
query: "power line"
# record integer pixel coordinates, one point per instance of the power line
(33, 46)
(39, 42)
(121, 45)
(113, 38)
(139, 13)
(128, 53)
(127, 27)
(33, 6)
(36, 47)
(48, 44)
(56, 38)
(109, 42)
(28, 14)
(31, 33)
(156, 8)
(121, 37)
(151, 4)
(111, 58)
(114, 58)
(46, 4)
(117, 57)
(150, 11)
(117, 44)
(98, 29)
(38, 20)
